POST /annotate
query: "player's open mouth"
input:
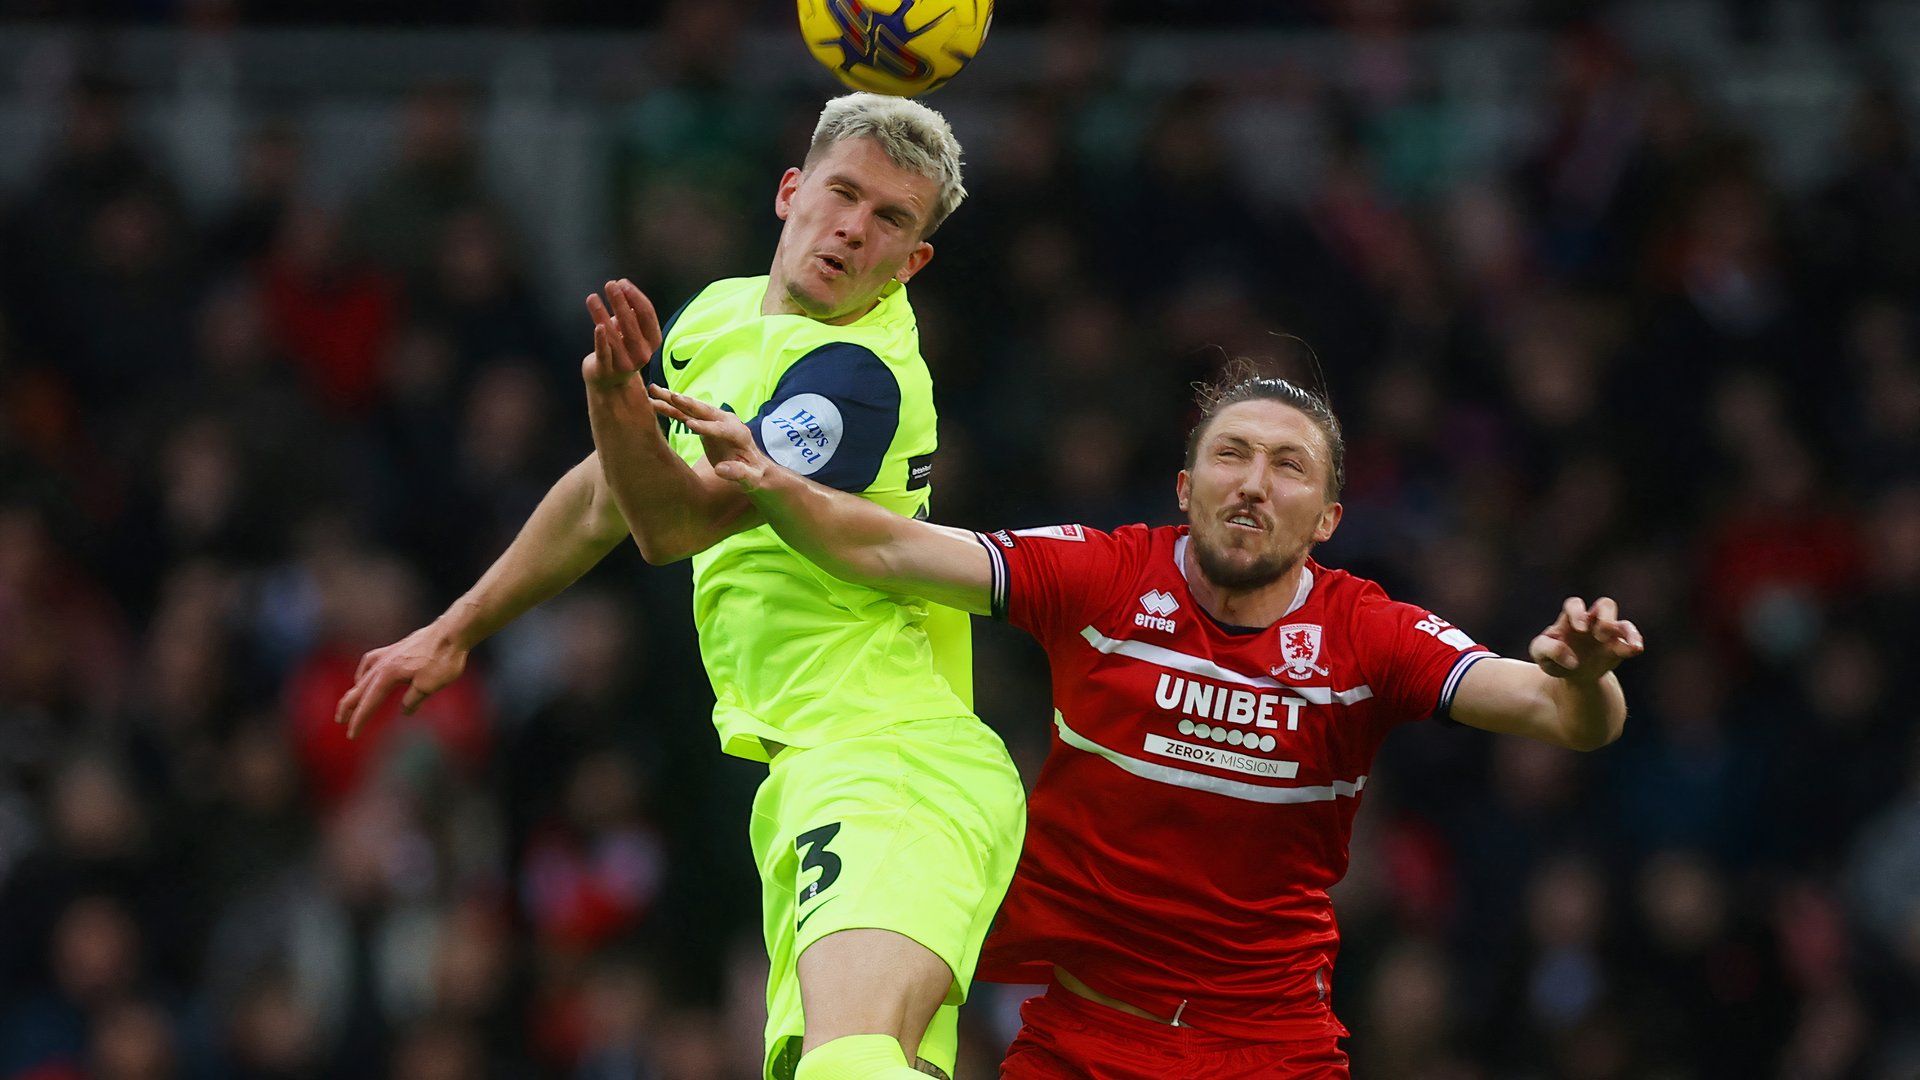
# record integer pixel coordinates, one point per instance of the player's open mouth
(831, 264)
(1245, 521)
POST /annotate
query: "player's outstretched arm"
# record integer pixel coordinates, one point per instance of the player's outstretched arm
(673, 510)
(572, 529)
(1569, 695)
(845, 535)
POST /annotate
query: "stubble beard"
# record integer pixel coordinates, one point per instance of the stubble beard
(1263, 570)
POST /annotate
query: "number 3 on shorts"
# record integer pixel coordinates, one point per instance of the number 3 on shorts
(812, 846)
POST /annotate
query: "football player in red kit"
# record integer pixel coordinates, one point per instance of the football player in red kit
(1219, 697)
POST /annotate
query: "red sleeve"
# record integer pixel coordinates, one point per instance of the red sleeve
(1413, 658)
(1051, 579)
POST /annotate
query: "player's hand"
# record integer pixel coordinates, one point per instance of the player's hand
(729, 445)
(423, 661)
(626, 334)
(1586, 642)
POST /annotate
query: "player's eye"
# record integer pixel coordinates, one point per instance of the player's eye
(1294, 465)
(842, 192)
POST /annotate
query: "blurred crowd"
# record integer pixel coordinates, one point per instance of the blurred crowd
(1748, 19)
(239, 446)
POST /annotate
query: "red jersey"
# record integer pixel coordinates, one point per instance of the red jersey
(1200, 790)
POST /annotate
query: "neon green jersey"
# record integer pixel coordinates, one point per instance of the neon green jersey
(797, 656)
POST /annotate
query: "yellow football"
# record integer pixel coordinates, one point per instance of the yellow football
(898, 47)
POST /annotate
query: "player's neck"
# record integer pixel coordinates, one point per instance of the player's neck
(1262, 605)
(778, 302)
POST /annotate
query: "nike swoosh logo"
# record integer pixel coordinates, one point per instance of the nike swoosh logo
(677, 363)
(811, 914)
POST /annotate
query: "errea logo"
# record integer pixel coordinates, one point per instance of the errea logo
(1155, 607)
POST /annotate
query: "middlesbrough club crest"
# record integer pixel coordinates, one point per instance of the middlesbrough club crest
(1299, 652)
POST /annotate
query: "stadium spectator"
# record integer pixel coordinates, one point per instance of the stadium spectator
(1610, 309)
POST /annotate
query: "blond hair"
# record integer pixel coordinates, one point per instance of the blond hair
(913, 137)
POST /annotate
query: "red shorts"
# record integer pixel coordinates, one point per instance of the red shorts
(1066, 1037)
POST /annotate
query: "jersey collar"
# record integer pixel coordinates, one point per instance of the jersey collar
(1305, 590)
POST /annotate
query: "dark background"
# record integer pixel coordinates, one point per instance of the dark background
(1613, 298)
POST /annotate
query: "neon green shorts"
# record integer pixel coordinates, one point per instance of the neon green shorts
(914, 829)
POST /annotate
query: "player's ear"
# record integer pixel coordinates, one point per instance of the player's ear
(1183, 489)
(783, 195)
(917, 261)
(1329, 521)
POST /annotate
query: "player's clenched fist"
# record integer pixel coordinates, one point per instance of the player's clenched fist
(423, 661)
(729, 445)
(1586, 642)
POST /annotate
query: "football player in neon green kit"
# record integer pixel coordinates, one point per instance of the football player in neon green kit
(891, 818)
